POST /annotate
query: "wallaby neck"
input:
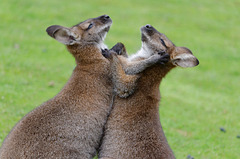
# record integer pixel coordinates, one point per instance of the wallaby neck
(90, 65)
(154, 75)
(86, 72)
(86, 53)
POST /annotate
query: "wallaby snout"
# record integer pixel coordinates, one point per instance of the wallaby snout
(105, 19)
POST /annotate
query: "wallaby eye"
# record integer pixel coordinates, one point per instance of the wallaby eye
(162, 41)
(90, 26)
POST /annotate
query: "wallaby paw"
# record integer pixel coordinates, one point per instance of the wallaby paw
(165, 57)
(154, 58)
(106, 53)
(124, 93)
(161, 53)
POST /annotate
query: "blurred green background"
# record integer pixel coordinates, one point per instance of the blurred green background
(195, 102)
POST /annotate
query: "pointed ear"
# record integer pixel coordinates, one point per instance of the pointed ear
(120, 49)
(62, 34)
(185, 60)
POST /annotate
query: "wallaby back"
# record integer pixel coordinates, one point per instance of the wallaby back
(70, 125)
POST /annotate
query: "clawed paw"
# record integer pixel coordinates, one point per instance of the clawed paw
(161, 53)
(106, 53)
(165, 57)
(124, 93)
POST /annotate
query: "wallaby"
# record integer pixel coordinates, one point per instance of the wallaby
(133, 129)
(70, 125)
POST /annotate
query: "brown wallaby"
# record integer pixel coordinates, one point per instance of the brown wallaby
(70, 125)
(133, 129)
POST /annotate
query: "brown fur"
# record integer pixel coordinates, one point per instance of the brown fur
(124, 84)
(133, 129)
(70, 125)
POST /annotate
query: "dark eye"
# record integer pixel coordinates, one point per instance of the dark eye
(163, 42)
(90, 26)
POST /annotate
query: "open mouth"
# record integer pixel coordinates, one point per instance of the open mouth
(103, 31)
(144, 37)
(106, 29)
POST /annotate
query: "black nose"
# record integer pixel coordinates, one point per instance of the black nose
(106, 17)
(148, 26)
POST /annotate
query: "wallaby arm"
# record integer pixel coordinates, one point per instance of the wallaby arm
(125, 73)
(135, 67)
(124, 84)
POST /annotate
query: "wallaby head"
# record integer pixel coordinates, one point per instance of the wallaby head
(92, 31)
(154, 42)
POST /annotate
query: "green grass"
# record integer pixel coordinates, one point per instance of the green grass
(195, 102)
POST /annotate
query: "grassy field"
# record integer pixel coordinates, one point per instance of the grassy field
(195, 103)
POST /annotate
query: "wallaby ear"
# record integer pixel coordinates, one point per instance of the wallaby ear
(120, 49)
(185, 60)
(62, 34)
